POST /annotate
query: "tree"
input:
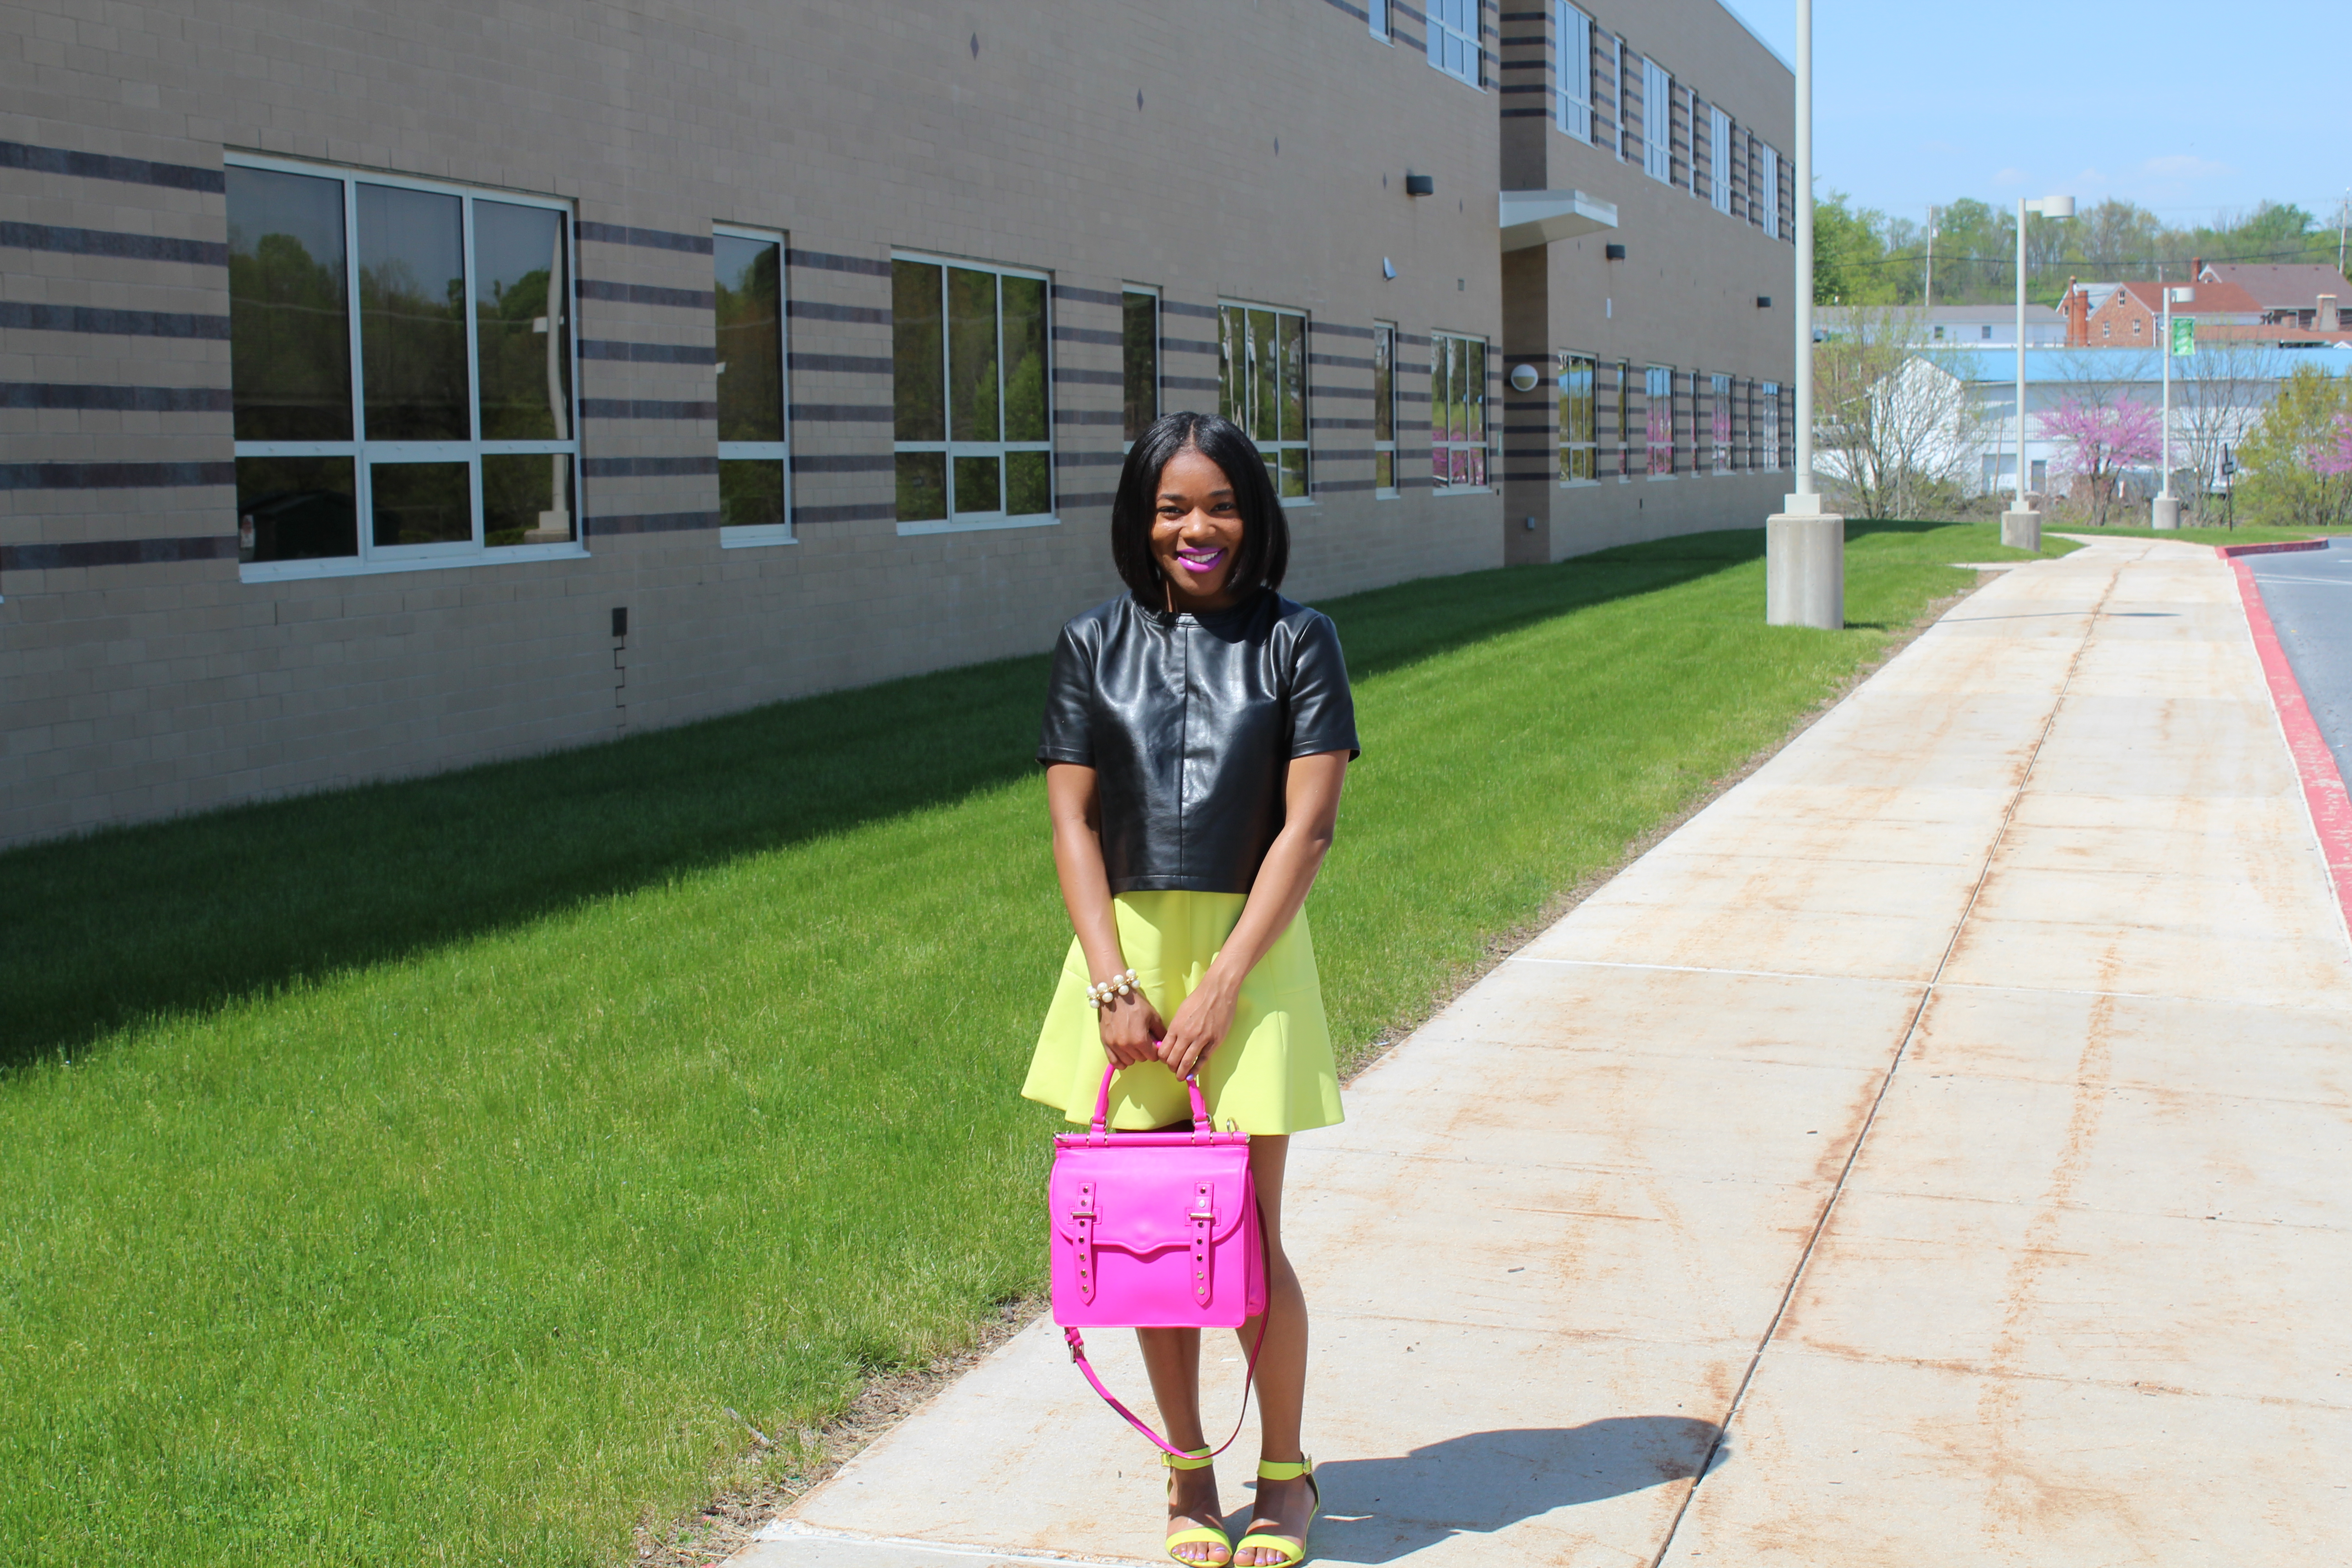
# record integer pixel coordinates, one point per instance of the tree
(2217, 395)
(1895, 423)
(2289, 458)
(2101, 440)
(1847, 254)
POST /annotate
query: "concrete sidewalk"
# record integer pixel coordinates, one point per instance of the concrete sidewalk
(1960, 1110)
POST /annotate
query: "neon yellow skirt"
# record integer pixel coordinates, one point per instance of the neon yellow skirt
(1272, 1074)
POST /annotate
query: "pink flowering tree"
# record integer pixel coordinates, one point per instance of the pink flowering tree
(2338, 458)
(2097, 441)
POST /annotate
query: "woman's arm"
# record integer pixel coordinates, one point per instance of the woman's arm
(1311, 810)
(1130, 1028)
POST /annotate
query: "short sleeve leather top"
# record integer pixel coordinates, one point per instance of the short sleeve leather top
(1189, 722)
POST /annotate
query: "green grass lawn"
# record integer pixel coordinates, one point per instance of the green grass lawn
(417, 1173)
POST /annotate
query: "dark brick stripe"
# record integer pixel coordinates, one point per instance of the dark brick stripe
(116, 553)
(1522, 113)
(845, 463)
(1186, 346)
(844, 412)
(1089, 296)
(653, 522)
(113, 476)
(843, 364)
(645, 408)
(1091, 377)
(1341, 328)
(1189, 382)
(857, 512)
(1179, 308)
(646, 294)
(1343, 455)
(120, 323)
(1340, 361)
(1338, 423)
(99, 166)
(1089, 459)
(647, 354)
(1363, 392)
(144, 399)
(1340, 487)
(106, 242)
(1412, 339)
(1095, 498)
(645, 467)
(1087, 335)
(1089, 416)
(646, 238)
(826, 261)
(818, 311)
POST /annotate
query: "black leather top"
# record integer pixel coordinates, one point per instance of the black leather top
(1190, 723)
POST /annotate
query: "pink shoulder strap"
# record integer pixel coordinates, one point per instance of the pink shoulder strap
(1079, 1354)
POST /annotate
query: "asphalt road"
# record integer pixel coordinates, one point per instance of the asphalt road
(2308, 594)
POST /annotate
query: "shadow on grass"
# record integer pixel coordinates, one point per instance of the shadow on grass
(190, 914)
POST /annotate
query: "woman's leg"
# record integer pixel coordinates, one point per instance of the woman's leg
(1172, 1358)
(1282, 1507)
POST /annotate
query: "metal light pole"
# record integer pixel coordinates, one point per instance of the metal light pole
(2021, 526)
(2164, 511)
(1804, 547)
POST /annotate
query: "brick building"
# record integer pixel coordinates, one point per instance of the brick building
(386, 389)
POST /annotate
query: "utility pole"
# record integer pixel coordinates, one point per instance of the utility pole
(1929, 301)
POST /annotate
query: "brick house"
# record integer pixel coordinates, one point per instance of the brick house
(2312, 295)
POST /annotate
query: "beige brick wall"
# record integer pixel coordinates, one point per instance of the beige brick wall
(1234, 149)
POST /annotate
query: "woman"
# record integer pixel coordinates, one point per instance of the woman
(1197, 732)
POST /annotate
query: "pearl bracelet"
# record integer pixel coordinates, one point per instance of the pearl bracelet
(1118, 985)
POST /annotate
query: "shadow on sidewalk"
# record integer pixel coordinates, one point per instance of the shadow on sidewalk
(1377, 1510)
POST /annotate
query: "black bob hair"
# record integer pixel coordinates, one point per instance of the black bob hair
(1265, 553)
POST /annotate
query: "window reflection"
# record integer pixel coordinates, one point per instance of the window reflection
(412, 329)
(296, 509)
(289, 308)
(522, 325)
(751, 339)
(524, 498)
(422, 504)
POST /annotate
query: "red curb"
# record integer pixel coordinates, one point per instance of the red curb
(2227, 551)
(2322, 786)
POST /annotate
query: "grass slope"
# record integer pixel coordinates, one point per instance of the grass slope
(418, 1173)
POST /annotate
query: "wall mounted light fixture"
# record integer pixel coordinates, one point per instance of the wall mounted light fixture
(1421, 184)
(1612, 252)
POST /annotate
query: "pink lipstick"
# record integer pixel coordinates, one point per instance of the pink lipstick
(1200, 560)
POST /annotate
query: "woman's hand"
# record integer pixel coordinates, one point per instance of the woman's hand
(1131, 1030)
(1202, 1023)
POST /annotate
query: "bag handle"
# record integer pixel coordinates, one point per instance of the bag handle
(1201, 1123)
(1077, 1344)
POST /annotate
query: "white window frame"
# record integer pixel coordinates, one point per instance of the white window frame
(1658, 122)
(1564, 364)
(1771, 184)
(1719, 419)
(755, 534)
(1572, 80)
(1719, 158)
(1454, 46)
(1383, 25)
(1617, 114)
(1657, 414)
(1439, 473)
(1772, 423)
(363, 454)
(1393, 490)
(1280, 445)
(1159, 354)
(981, 521)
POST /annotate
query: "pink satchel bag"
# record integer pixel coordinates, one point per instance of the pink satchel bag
(1154, 1230)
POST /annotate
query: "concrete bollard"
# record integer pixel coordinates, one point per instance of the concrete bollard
(2022, 531)
(1804, 570)
(2164, 513)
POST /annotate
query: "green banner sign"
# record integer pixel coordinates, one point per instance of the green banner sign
(2184, 334)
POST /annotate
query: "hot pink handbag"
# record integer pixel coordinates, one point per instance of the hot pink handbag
(1154, 1230)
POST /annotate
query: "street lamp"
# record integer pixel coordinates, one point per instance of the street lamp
(1804, 547)
(2164, 513)
(2021, 526)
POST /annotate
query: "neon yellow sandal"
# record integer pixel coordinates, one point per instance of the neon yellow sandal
(1293, 1552)
(1201, 1459)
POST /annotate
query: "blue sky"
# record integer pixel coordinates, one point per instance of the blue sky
(2188, 109)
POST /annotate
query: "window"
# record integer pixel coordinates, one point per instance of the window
(1139, 359)
(1384, 474)
(1261, 387)
(1625, 420)
(1771, 424)
(1454, 38)
(434, 425)
(1379, 13)
(1658, 122)
(1578, 436)
(973, 431)
(1719, 158)
(1617, 104)
(2137, 324)
(1772, 195)
(2106, 329)
(1457, 411)
(1574, 110)
(1719, 413)
(755, 487)
(1658, 425)
(1987, 334)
